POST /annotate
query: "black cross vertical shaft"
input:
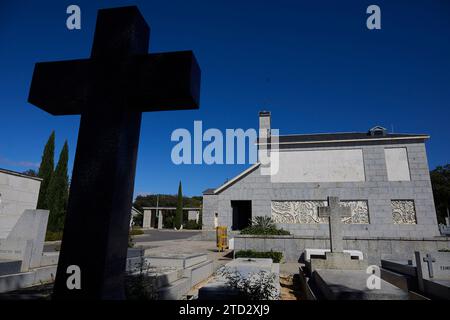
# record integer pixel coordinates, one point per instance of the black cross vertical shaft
(109, 90)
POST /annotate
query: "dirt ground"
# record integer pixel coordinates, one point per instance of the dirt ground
(289, 288)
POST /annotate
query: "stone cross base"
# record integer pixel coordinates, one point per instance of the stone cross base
(337, 260)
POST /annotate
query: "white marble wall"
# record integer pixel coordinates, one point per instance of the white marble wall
(18, 193)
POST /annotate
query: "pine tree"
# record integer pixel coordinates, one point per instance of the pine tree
(46, 170)
(58, 192)
(179, 213)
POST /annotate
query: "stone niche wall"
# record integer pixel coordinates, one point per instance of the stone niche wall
(373, 248)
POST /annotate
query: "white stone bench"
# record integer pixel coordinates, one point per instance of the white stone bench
(321, 252)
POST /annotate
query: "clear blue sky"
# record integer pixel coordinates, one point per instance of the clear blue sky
(315, 66)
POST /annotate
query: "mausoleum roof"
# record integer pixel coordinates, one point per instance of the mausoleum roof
(346, 137)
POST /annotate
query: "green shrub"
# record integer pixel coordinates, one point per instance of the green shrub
(53, 235)
(263, 222)
(254, 286)
(136, 231)
(263, 226)
(191, 225)
(140, 283)
(264, 232)
(274, 255)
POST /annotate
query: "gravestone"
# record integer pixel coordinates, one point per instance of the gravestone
(110, 90)
(334, 212)
(336, 258)
(338, 276)
(433, 273)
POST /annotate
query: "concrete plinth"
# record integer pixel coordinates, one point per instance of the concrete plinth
(337, 260)
(352, 285)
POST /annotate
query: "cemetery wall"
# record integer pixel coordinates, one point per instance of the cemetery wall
(373, 248)
(18, 193)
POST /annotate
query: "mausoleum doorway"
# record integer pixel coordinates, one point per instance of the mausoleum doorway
(242, 214)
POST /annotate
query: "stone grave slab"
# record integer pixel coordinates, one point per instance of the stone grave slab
(352, 285)
(433, 273)
(406, 267)
(178, 260)
(401, 273)
(199, 272)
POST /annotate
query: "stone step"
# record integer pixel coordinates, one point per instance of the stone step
(36, 276)
(182, 260)
(49, 259)
(172, 275)
(9, 266)
(160, 276)
(199, 272)
(176, 290)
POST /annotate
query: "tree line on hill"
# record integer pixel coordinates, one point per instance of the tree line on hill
(440, 181)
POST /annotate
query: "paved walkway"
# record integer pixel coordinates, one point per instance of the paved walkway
(184, 245)
(151, 235)
(162, 235)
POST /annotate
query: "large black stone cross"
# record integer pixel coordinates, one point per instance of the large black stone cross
(110, 91)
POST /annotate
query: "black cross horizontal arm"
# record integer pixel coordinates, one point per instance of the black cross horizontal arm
(151, 82)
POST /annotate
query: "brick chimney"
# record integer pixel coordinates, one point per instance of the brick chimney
(264, 124)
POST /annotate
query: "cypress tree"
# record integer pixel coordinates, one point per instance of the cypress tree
(58, 192)
(179, 213)
(46, 170)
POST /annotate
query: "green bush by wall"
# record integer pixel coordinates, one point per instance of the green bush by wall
(274, 255)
